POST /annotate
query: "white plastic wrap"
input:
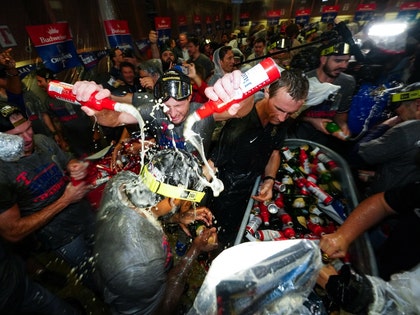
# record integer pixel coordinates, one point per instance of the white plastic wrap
(398, 296)
(260, 278)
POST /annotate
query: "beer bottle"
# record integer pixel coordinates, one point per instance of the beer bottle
(335, 130)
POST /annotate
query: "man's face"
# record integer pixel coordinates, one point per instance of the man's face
(227, 62)
(24, 130)
(42, 83)
(281, 106)
(407, 110)
(127, 74)
(259, 49)
(332, 66)
(177, 111)
(118, 58)
(168, 56)
(192, 49)
(183, 40)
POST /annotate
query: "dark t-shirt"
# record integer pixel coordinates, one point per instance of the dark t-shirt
(36, 181)
(404, 199)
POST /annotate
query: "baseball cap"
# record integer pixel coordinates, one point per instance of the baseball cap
(174, 173)
(340, 48)
(408, 93)
(7, 110)
(173, 84)
(279, 42)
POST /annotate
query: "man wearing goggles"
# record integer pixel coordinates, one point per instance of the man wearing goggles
(391, 147)
(165, 115)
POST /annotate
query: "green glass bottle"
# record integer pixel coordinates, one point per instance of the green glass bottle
(335, 130)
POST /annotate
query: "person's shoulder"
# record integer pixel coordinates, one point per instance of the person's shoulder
(346, 77)
(311, 73)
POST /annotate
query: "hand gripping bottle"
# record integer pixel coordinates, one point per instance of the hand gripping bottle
(64, 91)
(253, 80)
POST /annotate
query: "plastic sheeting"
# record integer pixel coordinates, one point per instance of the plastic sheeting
(260, 278)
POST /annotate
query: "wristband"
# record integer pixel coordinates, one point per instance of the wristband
(268, 177)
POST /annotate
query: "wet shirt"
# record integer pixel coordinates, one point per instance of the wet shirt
(133, 254)
(245, 145)
(404, 199)
(393, 154)
(169, 135)
(341, 102)
(36, 181)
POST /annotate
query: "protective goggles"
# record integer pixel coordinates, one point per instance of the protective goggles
(172, 86)
(336, 49)
(398, 98)
(169, 190)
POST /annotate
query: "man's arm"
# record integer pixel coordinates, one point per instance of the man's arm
(368, 213)
(153, 39)
(14, 227)
(177, 277)
(270, 172)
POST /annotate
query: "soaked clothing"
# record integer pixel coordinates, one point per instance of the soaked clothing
(327, 109)
(132, 253)
(241, 155)
(35, 182)
(401, 250)
(168, 135)
(77, 126)
(19, 294)
(393, 154)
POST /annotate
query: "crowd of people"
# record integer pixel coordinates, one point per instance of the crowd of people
(179, 183)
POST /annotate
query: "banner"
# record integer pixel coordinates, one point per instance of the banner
(329, 13)
(244, 19)
(6, 38)
(302, 16)
(209, 26)
(217, 23)
(365, 12)
(183, 25)
(197, 25)
(163, 25)
(408, 11)
(118, 34)
(91, 59)
(273, 17)
(228, 22)
(54, 44)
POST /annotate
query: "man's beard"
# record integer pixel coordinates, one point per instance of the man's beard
(166, 65)
(328, 72)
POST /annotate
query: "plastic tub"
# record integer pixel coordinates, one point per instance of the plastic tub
(361, 252)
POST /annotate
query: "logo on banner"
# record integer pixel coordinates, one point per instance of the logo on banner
(244, 19)
(118, 33)
(54, 44)
(163, 27)
(365, 12)
(408, 11)
(329, 13)
(273, 16)
(302, 16)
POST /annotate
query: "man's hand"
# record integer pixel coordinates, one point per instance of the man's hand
(77, 169)
(265, 191)
(206, 241)
(334, 245)
(226, 88)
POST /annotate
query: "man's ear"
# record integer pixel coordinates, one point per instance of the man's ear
(266, 91)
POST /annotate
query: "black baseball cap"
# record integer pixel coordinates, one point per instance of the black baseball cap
(7, 110)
